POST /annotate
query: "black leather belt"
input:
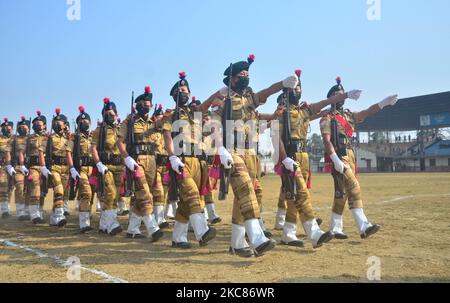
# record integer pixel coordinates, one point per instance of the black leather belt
(144, 149)
(33, 161)
(297, 146)
(87, 161)
(161, 160)
(110, 159)
(57, 160)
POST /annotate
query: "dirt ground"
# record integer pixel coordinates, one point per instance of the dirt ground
(413, 244)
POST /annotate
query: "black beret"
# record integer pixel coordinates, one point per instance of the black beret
(158, 111)
(40, 117)
(7, 123)
(147, 95)
(108, 105)
(23, 121)
(335, 88)
(181, 82)
(82, 115)
(237, 67)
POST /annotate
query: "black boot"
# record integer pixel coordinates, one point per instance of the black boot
(265, 247)
(157, 235)
(296, 243)
(370, 231)
(326, 237)
(208, 236)
(241, 252)
(182, 245)
(116, 231)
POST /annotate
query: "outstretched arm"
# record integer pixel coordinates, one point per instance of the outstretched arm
(372, 110)
(317, 107)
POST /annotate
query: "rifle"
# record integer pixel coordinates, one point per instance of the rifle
(130, 186)
(76, 158)
(173, 189)
(340, 151)
(225, 174)
(287, 178)
(101, 190)
(12, 163)
(48, 162)
(27, 162)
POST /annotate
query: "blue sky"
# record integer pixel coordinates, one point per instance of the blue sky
(48, 61)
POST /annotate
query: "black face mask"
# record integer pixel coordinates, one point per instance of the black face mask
(5, 132)
(110, 119)
(84, 127)
(142, 109)
(57, 128)
(294, 98)
(242, 83)
(340, 105)
(183, 98)
(38, 128)
(22, 132)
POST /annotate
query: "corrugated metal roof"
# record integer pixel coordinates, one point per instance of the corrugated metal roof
(438, 149)
(405, 115)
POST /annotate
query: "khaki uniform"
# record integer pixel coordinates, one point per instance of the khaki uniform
(146, 137)
(346, 186)
(60, 170)
(113, 160)
(84, 187)
(20, 192)
(159, 190)
(5, 143)
(189, 186)
(244, 182)
(33, 183)
(300, 118)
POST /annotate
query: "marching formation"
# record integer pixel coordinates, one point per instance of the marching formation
(165, 165)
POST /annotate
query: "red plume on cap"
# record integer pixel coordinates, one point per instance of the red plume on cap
(22, 118)
(182, 75)
(251, 59)
(338, 80)
(38, 112)
(160, 106)
(5, 119)
(298, 72)
(193, 98)
(148, 90)
(81, 109)
(106, 100)
(57, 111)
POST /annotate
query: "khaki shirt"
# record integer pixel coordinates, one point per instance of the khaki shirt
(325, 123)
(244, 108)
(191, 134)
(37, 144)
(61, 145)
(145, 132)
(300, 119)
(112, 135)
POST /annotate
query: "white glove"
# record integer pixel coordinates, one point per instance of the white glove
(101, 168)
(391, 100)
(75, 175)
(24, 170)
(289, 164)
(338, 164)
(224, 91)
(354, 94)
(225, 157)
(11, 171)
(176, 163)
(130, 163)
(290, 82)
(45, 171)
